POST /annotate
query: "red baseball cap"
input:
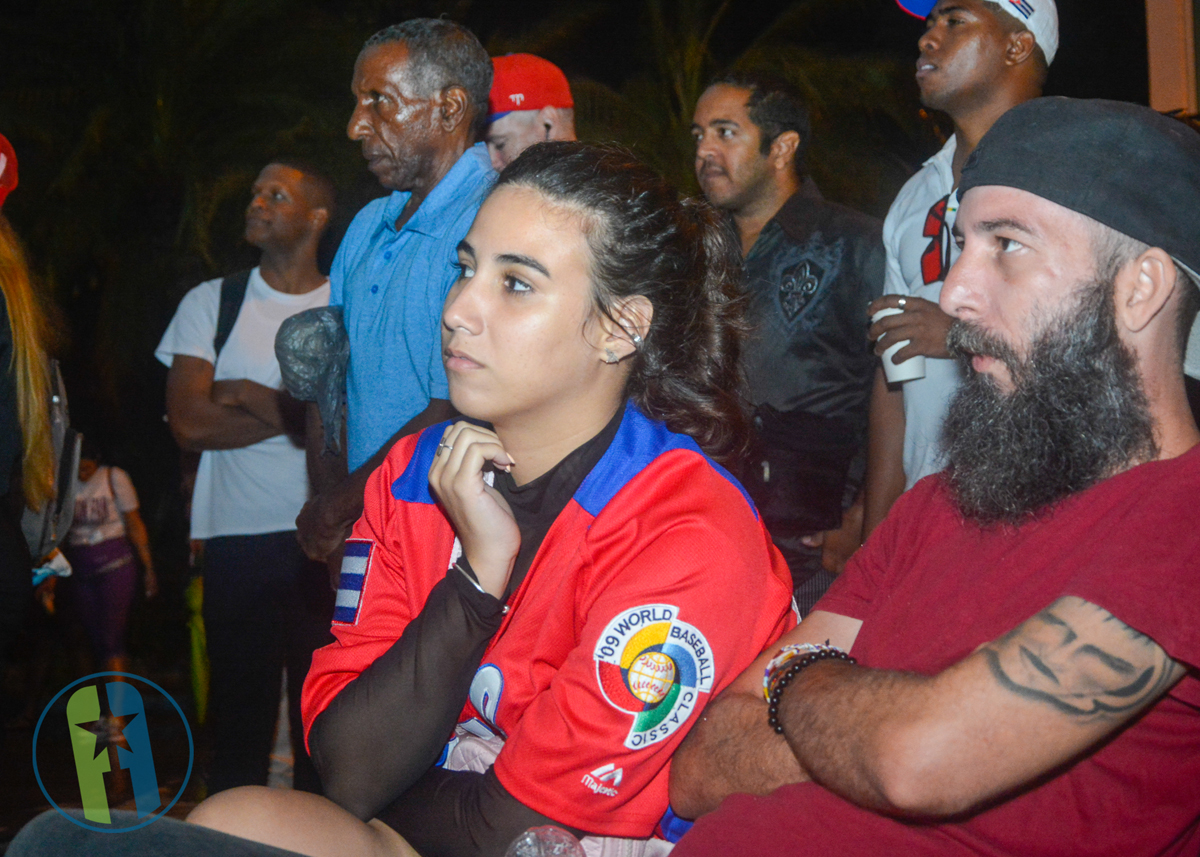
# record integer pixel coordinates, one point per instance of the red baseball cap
(8, 168)
(526, 82)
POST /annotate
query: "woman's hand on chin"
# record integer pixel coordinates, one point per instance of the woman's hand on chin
(481, 518)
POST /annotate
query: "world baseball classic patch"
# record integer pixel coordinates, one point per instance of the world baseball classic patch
(356, 563)
(653, 666)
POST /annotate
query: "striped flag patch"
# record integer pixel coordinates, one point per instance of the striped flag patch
(356, 563)
(1023, 8)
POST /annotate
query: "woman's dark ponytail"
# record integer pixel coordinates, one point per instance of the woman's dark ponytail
(702, 396)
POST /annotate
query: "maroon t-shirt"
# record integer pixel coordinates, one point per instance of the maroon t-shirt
(931, 587)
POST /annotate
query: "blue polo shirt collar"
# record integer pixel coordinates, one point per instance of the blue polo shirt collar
(430, 219)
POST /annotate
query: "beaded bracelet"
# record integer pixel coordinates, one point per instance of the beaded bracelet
(792, 669)
(786, 658)
(787, 653)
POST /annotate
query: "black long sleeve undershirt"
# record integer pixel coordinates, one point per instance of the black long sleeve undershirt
(375, 744)
(388, 726)
(439, 812)
(462, 814)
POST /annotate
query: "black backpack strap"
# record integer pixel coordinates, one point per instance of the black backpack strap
(233, 292)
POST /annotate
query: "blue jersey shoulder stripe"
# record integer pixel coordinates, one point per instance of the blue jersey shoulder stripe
(412, 486)
(638, 442)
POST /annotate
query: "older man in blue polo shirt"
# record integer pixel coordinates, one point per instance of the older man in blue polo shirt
(421, 90)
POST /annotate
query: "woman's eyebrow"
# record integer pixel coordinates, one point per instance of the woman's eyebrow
(464, 247)
(519, 259)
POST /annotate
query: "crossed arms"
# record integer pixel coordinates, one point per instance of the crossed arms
(1019, 707)
(207, 414)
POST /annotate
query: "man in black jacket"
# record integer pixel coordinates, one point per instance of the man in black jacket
(812, 268)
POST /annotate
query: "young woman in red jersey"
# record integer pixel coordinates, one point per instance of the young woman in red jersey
(540, 598)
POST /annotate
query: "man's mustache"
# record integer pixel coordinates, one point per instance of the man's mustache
(966, 340)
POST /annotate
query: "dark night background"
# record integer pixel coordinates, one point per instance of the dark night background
(140, 124)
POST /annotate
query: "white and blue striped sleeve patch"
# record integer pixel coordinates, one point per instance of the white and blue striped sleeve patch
(356, 563)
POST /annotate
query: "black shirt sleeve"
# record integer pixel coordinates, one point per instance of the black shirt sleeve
(388, 726)
(462, 814)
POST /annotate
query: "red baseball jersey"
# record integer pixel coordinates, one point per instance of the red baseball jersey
(653, 589)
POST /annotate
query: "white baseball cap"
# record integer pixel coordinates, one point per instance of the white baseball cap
(1039, 17)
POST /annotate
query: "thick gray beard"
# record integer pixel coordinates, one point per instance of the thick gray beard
(1077, 415)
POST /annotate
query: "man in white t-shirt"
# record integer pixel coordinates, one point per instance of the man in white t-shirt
(265, 604)
(977, 59)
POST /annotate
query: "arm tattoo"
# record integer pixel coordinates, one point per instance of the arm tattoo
(1083, 661)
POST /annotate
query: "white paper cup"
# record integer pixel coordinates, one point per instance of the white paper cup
(911, 369)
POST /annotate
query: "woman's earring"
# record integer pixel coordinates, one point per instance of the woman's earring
(610, 356)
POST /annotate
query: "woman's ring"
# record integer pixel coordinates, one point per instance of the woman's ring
(900, 303)
(444, 446)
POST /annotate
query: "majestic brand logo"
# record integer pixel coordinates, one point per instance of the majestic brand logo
(610, 774)
(517, 98)
(96, 741)
(654, 666)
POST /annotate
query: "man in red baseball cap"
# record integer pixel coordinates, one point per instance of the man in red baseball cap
(530, 102)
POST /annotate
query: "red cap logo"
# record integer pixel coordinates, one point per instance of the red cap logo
(526, 82)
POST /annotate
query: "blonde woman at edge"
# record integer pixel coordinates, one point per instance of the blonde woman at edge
(26, 454)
